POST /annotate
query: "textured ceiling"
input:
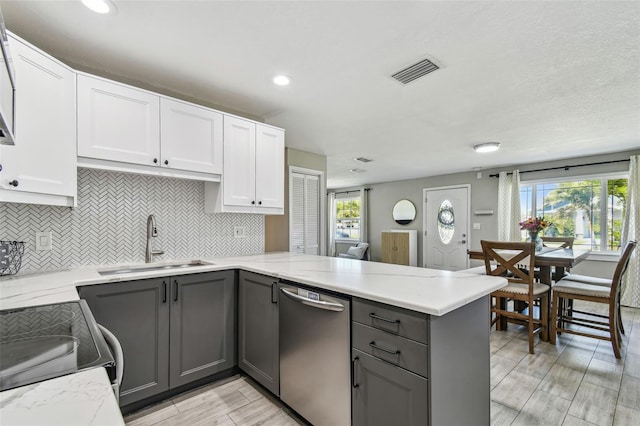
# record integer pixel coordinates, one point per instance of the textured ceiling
(548, 80)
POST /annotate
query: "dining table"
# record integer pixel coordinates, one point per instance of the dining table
(553, 262)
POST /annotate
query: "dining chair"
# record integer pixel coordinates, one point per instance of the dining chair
(507, 259)
(593, 290)
(558, 242)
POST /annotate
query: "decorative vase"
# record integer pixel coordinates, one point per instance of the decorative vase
(534, 236)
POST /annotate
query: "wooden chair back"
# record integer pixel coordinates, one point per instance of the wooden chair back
(513, 260)
(621, 268)
(561, 242)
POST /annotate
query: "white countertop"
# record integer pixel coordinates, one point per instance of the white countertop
(86, 397)
(430, 291)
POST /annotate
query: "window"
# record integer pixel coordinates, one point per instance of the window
(348, 218)
(590, 209)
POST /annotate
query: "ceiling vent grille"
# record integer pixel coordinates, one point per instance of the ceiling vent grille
(363, 160)
(415, 71)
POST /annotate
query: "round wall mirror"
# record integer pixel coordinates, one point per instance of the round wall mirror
(404, 212)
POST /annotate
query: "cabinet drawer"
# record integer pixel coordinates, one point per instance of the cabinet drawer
(397, 350)
(403, 322)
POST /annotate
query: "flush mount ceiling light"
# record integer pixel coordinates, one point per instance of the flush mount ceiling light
(281, 80)
(100, 6)
(487, 147)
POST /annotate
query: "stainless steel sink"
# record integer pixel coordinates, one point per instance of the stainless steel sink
(153, 267)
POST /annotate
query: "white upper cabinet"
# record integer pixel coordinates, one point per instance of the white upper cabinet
(253, 179)
(117, 122)
(239, 162)
(41, 167)
(269, 166)
(123, 128)
(190, 136)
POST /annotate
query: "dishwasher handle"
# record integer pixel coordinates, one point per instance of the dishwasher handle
(329, 306)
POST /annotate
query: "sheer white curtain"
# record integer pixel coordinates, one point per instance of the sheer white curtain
(331, 205)
(631, 232)
(509, 206)
(364, 217)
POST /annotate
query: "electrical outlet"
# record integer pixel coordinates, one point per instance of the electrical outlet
(239, 231)
(43, 241)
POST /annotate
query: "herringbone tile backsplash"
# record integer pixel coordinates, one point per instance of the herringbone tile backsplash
(110, 223)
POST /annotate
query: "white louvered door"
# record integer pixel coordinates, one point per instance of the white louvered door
(304, 213)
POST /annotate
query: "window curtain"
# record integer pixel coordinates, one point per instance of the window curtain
(331, 205)
(631, 232)
(364, 218)
(509, 206)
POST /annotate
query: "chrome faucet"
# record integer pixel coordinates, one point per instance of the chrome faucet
(152, 231)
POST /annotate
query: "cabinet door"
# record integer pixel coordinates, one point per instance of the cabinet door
(269, 167)
(190, 137)
(258, 342)
(117, 122)
(384, 394)
(239, 178)
(395, 248)
(43, 159)
(137, 312)
(202, 326)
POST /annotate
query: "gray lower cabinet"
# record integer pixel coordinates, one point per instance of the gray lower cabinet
(258, 341)
(202, 336)
(172, 330)
(384, 394)
(410, 368)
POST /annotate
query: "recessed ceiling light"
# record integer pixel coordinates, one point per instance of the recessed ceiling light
(357, 170)
(100, 6)
(487, 147)
(281, 80)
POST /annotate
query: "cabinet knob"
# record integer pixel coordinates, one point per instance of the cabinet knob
(166, 162)
(14, 183)
(260, 203)
(253, 201)
(155, 161)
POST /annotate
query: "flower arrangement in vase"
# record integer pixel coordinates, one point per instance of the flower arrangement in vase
(534, 225)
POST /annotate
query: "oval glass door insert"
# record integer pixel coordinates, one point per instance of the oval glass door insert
(446, 222)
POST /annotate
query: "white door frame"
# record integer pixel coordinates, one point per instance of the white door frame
(323, 201)
(424, 217)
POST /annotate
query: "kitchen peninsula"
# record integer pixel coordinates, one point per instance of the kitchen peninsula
(453, 304)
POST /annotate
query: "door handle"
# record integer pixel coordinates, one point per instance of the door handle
(329, 306)
(273, 292)
(175, 290)
(354, 378)
(164, 292)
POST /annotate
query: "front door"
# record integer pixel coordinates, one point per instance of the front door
(446, 228)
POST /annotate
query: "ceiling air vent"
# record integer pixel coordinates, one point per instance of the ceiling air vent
(363, 159)
(415, 71)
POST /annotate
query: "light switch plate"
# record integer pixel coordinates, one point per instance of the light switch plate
(43, 241)
(476, 226)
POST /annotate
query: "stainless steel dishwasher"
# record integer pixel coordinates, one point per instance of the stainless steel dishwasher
(315, 367)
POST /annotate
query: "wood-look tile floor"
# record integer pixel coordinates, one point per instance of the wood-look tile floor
(576, 382)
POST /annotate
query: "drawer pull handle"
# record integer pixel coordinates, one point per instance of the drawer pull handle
(375, 317)
(389, 351)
